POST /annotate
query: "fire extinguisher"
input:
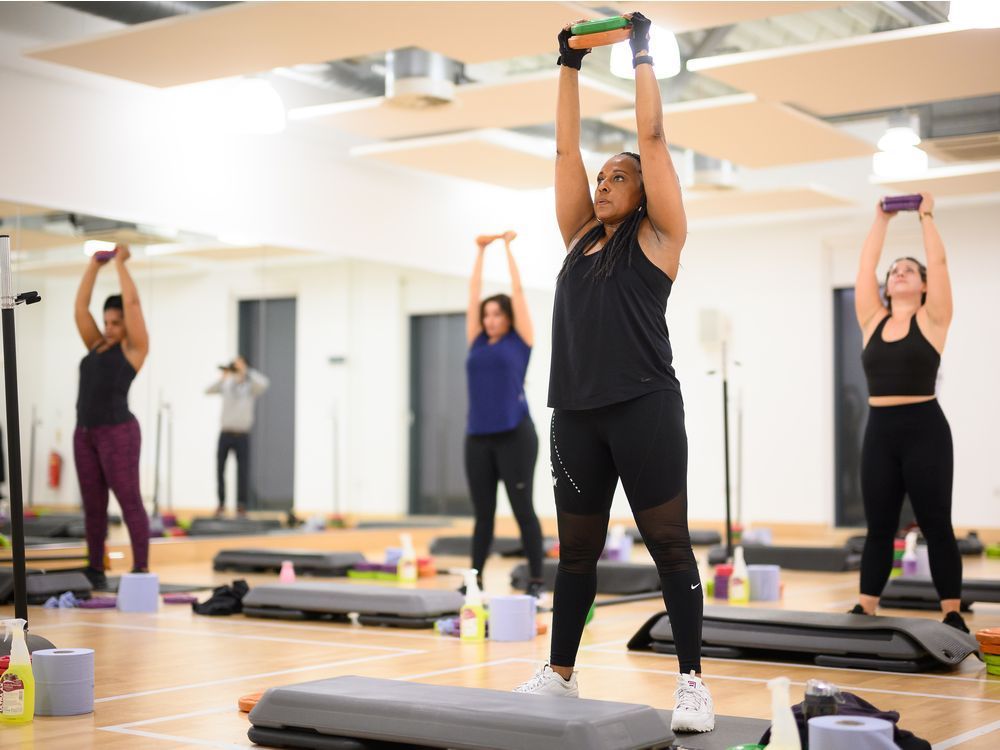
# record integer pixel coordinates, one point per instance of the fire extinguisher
(55, 469)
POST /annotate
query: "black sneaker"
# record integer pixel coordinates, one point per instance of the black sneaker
(858, 610)
(956, 621)
(97, 578)
(534, 589)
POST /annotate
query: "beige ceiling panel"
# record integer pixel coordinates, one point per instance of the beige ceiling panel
(253, 37)
(9, 210)
(970, 179)
(33, 239)
(750, 132)
(743, 202)
(689, 16)
(525, 100)
(493, 157)
(241, 253)
(876, 71)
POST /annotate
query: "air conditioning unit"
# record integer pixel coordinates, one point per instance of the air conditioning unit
(417, 79)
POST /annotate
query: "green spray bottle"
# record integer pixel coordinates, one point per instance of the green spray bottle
(17, 685)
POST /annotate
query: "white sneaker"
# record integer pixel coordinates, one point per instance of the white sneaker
(548, 682)
(693, 708)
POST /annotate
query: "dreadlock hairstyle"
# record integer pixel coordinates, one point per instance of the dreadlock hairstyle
(618, 247)
(923, 277)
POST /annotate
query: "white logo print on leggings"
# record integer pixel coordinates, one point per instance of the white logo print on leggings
(555, 449)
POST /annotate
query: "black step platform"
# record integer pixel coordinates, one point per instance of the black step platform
(890, 644)
(699, 537)
(969, 545)
(331, 564)
(826, 559)
(232, 526)
(918, 592)
(461, 546)
(612, 577)
(40, 585)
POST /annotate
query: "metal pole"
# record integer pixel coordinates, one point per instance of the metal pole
(725, 434)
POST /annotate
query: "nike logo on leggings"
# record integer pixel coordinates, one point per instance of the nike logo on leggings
(696, 586)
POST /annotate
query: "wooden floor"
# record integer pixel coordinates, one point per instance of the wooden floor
(172, 679)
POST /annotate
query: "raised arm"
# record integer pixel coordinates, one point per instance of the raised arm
(574, 207)
(664, 203)
(939, 301)
(259, 382)
(85, 323)
(473, 325)
(522, 316)
(867, 301)
(135, 324)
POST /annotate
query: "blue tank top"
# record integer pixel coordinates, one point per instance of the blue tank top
(105, 378)
(496, 383)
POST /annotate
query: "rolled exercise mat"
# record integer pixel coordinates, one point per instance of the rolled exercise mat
(599, 33)
(901, 202)
(850, 733)
(765, 583)
(512, 618)
(64, 681)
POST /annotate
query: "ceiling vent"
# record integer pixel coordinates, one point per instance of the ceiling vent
(706, 173)
(417, 79)
(976, 147)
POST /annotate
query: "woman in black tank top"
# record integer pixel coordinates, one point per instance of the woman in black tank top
(618, 413)
(907, 449)
(107, 440)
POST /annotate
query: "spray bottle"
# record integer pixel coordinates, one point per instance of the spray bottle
(910, 555)
(406, 568)
(784, 730)
(472, 616)
(17, 686)
(739, 581)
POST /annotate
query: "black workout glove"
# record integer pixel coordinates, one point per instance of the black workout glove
(639, 40)
(571, 58)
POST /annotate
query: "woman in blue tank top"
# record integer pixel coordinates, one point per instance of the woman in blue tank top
(500, 443)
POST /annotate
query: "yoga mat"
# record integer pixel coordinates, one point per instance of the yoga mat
(64, 681)
(850, 733)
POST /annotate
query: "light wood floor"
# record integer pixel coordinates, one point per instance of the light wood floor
(172, 679)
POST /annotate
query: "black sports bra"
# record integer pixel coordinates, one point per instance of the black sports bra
(907, 367)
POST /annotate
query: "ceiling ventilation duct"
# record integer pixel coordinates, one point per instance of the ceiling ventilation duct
(417, 79)
(706, 173)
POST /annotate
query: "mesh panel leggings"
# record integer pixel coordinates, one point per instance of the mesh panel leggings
(907, 450)
(508, 457)
(643, 443)
(107, 457)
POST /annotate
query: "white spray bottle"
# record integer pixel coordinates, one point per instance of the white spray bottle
(784, 730)
(17, 685)
(406, 568)
(472, 616)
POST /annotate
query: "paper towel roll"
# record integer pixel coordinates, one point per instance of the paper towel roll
(64, 681)
(765, 583)
(512, 618)
(850, 733)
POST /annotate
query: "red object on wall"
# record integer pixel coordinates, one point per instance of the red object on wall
(55, 469)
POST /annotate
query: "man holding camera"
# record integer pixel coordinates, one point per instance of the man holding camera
(239, 386)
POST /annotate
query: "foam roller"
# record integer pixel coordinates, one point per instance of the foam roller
(892, 203)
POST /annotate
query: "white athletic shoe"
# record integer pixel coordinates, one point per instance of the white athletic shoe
(693, 708)
(547, 682)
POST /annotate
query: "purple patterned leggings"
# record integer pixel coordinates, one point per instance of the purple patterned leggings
(107, 457)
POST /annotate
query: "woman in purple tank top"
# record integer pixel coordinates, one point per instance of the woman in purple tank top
(107, 440)
(500, 443)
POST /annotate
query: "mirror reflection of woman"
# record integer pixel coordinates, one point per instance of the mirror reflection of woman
(107, 439)
(501, 444)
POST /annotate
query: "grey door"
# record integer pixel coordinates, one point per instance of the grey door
(267, 340)
(850, 399)
(438, 405)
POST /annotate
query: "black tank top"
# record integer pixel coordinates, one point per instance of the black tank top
(907, 367)
(609, 336)
(105, 378)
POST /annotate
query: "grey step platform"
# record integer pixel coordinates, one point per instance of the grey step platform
(461, 546)
(232, 526)
(826, 559)
(333, 564)
(699, 537)
(40, 585)
(612, 577)
(969, 545)
(891, 644)
(918, 592)
(374, 605)
(405, 523)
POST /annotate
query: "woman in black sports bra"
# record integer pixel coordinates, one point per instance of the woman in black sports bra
(907, 447)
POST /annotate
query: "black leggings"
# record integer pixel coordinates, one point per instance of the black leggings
(508, 456)
(643, 443)
(908, 451)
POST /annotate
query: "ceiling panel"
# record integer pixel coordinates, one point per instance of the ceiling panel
(9, 210)
(491, 156)
(689, 16)
(726, 203)
(876, 71)
(33, 239)
(970, 179)
(241, 253)
(486, 105)
(253, 37)
(751, 132)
